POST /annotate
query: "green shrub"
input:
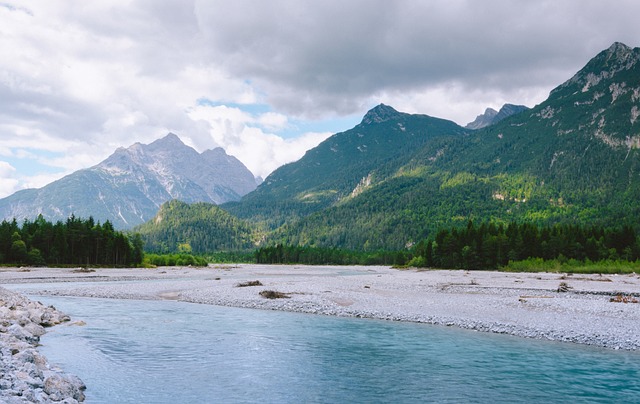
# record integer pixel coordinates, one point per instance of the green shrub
(417, 262)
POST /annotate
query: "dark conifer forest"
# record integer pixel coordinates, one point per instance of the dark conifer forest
(73, 242)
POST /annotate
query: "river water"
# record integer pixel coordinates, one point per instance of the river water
(171, 352)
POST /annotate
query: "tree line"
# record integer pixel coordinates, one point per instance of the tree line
(73, 242)
(487, 246)
(289, 254)
(491, 246)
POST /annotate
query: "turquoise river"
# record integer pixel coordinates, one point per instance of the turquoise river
(134, 351)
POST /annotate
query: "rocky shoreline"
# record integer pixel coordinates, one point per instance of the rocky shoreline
(597, 310)
(25, 375)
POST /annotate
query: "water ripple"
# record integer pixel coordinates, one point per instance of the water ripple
(172, 352)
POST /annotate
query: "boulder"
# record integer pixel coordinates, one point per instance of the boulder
(58, 387)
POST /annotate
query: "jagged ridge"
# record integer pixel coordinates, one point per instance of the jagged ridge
(491, 116)
(130, 185)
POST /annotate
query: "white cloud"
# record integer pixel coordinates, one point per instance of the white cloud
(40, 180)
(273, 121)
(243, 135)
(452, 101)
(8, 184)
(79, 79)
(310, 59)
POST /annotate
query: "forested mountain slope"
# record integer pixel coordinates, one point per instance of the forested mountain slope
(343, 166)
(198, 228)
(396, 178)
(573, 158)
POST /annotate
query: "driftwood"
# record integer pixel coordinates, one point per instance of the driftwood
(249, 283)
(272, 294)
(623, 299)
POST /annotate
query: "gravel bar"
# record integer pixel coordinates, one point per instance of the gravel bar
(600, 310)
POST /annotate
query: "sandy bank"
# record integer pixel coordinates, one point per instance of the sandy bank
(527, 305)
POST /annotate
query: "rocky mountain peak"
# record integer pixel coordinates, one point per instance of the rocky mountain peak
(483, 120)
(216, 152)
(618, 51)
(616, 58)
(128, 187)
(380, 113)
(491, 116)
(603, 67)
(507, 110)
(490, 112)
(167, 142)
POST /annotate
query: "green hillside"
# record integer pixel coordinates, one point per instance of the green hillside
(572, 159)
(342, 166)
(395, 179)
(198, 228)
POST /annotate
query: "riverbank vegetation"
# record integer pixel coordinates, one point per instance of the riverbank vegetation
(526, 247)
(573, 266)
(517, 247)
(170, 260)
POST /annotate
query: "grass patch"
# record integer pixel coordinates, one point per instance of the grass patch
(573, 266)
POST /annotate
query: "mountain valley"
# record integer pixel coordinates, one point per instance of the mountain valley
(388, 183)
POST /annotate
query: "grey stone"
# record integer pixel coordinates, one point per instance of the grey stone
(58, 387)
(25, 376)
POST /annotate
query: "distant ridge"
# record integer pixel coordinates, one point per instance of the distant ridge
(130, 185)
(491, 116)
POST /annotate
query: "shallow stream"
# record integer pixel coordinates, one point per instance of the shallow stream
(133, 351)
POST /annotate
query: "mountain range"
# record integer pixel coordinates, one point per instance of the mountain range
(129, 186)
(395, 178)
(572, 159)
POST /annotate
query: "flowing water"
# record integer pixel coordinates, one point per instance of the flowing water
(173, 352)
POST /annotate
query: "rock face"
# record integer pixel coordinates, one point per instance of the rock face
(483, 120)
(617, 60)
(507, 110)
(380, 113)
(128, 187)
(599, 106)
(491, 116)
(25, 375)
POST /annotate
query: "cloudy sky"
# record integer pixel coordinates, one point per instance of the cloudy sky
(267, 80)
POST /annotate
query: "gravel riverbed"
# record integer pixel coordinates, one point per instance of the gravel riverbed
(599, 310)
(521, 304)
